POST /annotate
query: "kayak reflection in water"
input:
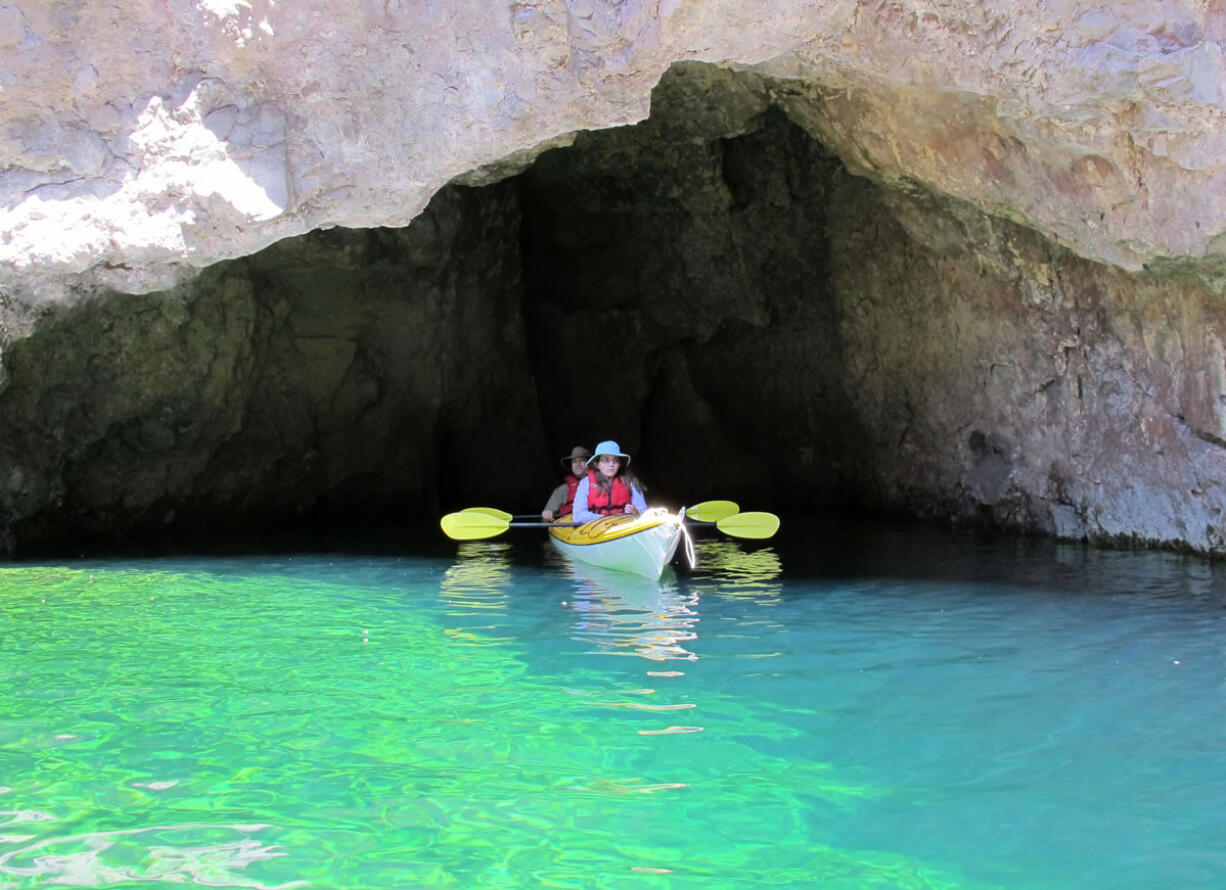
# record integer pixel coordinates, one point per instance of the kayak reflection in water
(620, 614)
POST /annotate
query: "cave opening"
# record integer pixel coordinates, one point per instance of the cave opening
(757, 290)
(710, 287)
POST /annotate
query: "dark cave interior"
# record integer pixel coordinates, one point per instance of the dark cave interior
(679, 285)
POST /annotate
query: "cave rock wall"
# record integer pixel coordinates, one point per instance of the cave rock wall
(822, 339)
(341, 373)
(717, 287)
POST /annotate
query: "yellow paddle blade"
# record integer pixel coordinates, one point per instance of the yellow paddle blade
(490, 511)
(749, 525)
(711, 511)
(464, 526)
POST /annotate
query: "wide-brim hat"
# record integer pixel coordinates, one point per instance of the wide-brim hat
(608, 446)
(576, 453)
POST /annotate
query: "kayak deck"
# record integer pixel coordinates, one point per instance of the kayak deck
(640, 543)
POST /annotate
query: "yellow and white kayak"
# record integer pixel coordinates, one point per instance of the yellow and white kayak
(643, 544)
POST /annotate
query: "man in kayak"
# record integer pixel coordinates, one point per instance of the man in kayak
(608, 487)
(559, 503)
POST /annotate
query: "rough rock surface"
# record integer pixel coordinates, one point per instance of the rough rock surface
(800, 331)
(937, 259)
(340, 371)
(141, 140)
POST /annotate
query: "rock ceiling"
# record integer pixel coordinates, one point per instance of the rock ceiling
(143, 141)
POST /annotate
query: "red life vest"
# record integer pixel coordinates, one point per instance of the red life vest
(614, 501)
(572, 483)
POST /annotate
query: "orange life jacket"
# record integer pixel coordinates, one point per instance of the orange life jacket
(572, 483)
(614, 501)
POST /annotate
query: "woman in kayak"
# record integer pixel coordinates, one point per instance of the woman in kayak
(609, 487)
(559, 503)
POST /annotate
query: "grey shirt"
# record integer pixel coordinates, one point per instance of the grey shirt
(557, 499)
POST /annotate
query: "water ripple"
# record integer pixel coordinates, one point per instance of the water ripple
(430, 722)
(99, 858)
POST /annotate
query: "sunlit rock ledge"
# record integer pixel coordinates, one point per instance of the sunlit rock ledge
(145, 140)
(264, 260)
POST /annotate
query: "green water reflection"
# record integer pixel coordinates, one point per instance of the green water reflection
(399, 723)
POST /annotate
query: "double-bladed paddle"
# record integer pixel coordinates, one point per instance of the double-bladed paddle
(707, 511)
(476, 523)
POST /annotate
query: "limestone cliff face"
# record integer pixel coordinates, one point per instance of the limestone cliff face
(938, 260)
(142, 140)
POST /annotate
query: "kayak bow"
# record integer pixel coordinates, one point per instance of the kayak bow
(641, 543)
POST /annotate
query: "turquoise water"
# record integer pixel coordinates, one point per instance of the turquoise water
(848, 707)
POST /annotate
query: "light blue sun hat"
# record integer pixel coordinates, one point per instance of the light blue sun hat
(608, 446)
